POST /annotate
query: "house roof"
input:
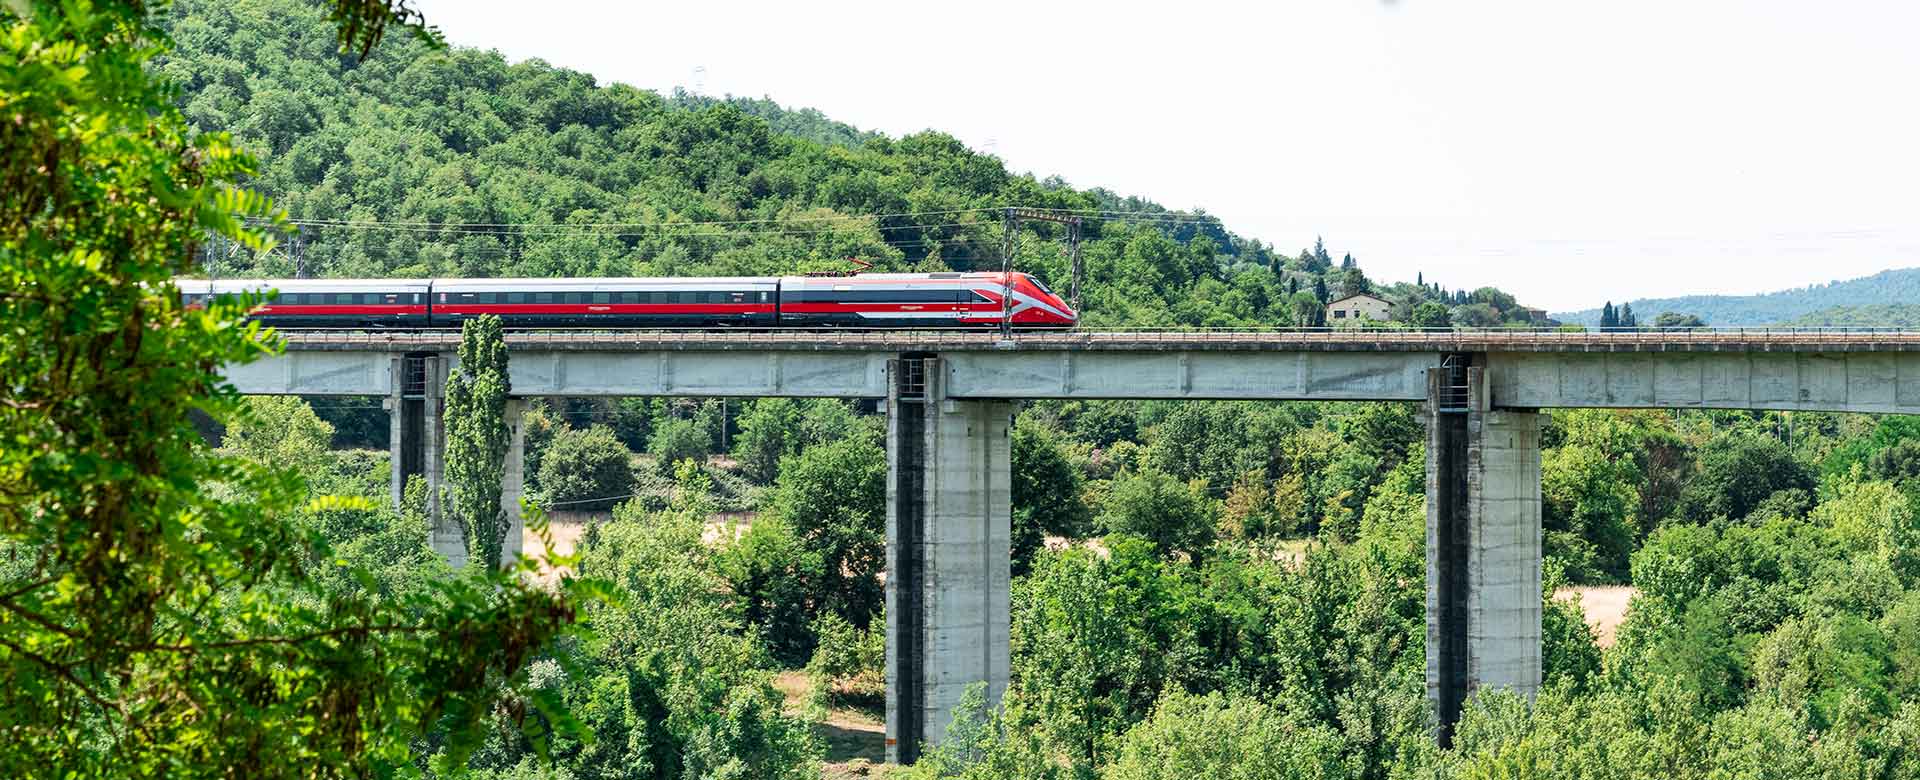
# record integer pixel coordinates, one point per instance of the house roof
(1344, 298)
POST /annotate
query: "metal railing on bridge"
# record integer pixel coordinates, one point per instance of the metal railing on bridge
(1452, 339)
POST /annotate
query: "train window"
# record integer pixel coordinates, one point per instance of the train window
(392, 298)
(717, 297)
(601, 297)
(543, 297)
(467, 297)
(346, 298)
(738, 297)
(516, 297)
(489, 298)
(372, 298)
(763, 296)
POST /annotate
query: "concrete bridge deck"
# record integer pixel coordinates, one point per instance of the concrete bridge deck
(1794, 369)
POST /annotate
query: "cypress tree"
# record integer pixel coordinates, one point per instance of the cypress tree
(1626, 316)
(1320, 290)
(1347, 260)
(476, 426)
(1607, 319)
(1419, 279)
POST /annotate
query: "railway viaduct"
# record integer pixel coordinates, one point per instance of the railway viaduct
(950, 400)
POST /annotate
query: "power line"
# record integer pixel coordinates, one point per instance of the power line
(562, 231)
(589, 228)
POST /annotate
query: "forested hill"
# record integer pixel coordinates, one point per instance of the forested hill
(1833, 303)
(419, 163)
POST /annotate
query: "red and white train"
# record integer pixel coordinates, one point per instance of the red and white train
(934, 300)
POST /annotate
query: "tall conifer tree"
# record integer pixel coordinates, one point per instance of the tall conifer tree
(476, 427)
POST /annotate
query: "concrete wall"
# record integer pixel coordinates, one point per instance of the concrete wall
(676, 373)
(1190, 374)
(1852, 381)
(1862, 378)
(303, 372)
(949, 547)
(1483, 548)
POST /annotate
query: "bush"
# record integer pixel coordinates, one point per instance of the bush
(765, 569)
(1211, 736)
(849, 663)
(1175, 516)
(1046, 493)
(1737, 473)
(834, 496)
(678, 440)
(586, 470)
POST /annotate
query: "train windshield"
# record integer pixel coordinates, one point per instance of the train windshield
(1040, 284)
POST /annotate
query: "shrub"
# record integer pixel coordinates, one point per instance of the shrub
(586, 470)
(677, 440)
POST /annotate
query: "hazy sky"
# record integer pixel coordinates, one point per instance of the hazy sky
(1568, 152)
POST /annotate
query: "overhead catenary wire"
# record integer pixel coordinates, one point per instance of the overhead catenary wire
(599, 228)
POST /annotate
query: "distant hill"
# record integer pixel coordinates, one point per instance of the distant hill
(1881, 315)
(1882, 295)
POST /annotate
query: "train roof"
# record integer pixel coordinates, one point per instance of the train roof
(301, 285)
(607, 283)
(943, 276)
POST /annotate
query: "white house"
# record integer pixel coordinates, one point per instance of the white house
(1357, 306)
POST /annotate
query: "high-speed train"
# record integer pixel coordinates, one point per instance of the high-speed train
(932, 300)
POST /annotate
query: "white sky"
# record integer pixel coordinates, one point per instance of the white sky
(1567, 152)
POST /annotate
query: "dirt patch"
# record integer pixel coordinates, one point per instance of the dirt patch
(566, 533)
(726, 526)
(1604, 605)
(855, 742)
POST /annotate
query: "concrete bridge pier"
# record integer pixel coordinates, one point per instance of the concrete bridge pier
(1483, 542)
(949, 532)
(416, 406)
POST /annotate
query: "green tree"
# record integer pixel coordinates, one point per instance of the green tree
(769, 569)
(678, 440)
(586, 470)
(160, 621)
(1587, 505)
(1673, 320)
(1046, 492)
(1150, 504)
(765, 431)
(1216, 736)
(1738, 471)
(1430, 315)
(278, 429)
(670, 684)
(834, 498)
(476, 424)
